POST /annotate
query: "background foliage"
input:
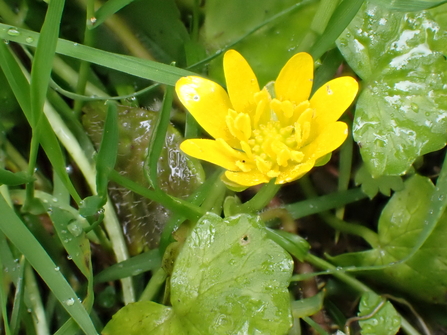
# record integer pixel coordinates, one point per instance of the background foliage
(106, 227)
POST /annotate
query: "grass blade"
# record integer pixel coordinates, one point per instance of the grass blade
(107, 9)
(158, 137)
(27, 244)
(340, 19)
(142, 68)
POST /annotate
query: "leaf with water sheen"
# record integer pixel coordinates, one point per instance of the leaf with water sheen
(400, 224)
(385, 321)
(402, 111)
(229, 278)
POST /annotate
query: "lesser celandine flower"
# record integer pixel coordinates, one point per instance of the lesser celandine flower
(258, 134)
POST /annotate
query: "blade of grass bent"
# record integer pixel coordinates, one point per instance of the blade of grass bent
(21, 237)
(142, 68)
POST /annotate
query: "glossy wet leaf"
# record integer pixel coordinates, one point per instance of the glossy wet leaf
(400, 224)
(385, 321)
(402, 111)
(142, 219)
(229, 278)
(371, 186)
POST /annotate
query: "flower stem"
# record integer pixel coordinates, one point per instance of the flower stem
(261, 199)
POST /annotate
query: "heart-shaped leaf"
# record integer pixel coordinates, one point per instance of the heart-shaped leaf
(401, 222)
(402, 111)
(229, 278)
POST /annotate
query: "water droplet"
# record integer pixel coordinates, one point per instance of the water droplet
(55, 199)
(69, 169)
(57, 268)
(69, 257)
(70, 302)
(329, 91)
(29, 40)
(196, 98)
(441, 197)
(13, 32)
(6, 41)
(93, 20)
(75, 44)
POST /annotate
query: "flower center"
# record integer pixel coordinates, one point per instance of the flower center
(273, 135)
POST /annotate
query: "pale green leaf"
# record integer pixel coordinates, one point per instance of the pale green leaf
(229, 278)
(384, 321)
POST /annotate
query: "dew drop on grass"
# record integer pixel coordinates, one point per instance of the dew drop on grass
(29, 40)
(13, 32)
(75, 228)
(69, 302)
(57, 268)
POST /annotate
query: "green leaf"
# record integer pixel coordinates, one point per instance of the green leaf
(229, 278)
(231, 21)
(385, 321)
(108, 9)
(131, 267)
(371, 186)
(160, 29)
(402, 111)
(401, 223)
(14, 179)
(308, 306)
(141, 68)
(409, 5)
(36, 255)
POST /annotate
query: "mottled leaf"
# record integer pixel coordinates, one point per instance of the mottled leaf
(229, 278)
(401, 222)
(402, 111)
(384, 321)
(142, 219)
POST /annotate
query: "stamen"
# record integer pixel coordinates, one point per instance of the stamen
(287, 108)
(263, 165)
(243, 123)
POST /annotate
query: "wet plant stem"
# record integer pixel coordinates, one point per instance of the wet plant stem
(261, 198)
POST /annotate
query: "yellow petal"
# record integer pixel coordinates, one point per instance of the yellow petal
(294, 172)
(332, 99)
(214, 152)
(208, 103)
(331, 137)
(246, 178)
(241, 82)
(294, 82)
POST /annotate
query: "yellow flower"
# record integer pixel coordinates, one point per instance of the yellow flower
(260, 135)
